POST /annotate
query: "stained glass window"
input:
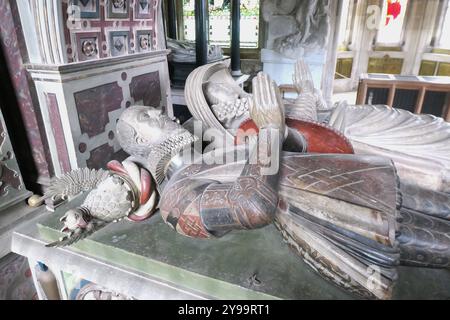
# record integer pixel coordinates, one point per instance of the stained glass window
(392, 22)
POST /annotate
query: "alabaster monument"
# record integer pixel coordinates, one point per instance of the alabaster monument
(348, 216)
(184, 51)
(298, 30)
(296, 26)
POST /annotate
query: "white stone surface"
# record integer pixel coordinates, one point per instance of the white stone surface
(281, 68)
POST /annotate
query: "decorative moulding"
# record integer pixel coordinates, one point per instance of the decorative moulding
(88, 65)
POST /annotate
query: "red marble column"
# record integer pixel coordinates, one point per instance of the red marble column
(36, 167)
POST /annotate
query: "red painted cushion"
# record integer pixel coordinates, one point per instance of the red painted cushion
(320, 138)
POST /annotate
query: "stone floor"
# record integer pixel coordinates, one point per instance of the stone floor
(16, 282)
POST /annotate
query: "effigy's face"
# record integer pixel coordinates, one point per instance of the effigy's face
(217, 93)
(142, 127)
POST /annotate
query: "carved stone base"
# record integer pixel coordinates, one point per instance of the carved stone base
(11, 219)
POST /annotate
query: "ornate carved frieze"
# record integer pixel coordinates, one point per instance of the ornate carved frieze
(78, 30)
(301, 29)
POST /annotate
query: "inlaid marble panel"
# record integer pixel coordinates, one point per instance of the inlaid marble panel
(58, 132)
(101, 155)
(94, 104)
(146, 88)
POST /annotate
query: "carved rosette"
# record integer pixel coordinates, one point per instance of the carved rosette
(89, 48)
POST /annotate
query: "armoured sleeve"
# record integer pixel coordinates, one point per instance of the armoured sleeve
(203, 208)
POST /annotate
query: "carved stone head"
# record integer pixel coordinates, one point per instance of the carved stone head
(217, 93)
(140, 128)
